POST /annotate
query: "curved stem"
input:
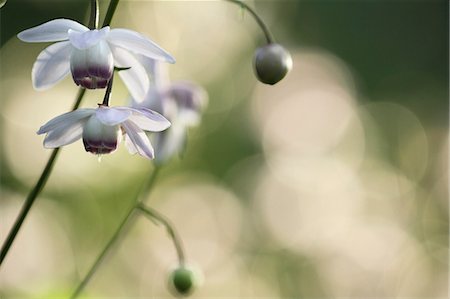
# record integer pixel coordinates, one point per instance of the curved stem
(34, 192)
(93, 19)
(110, 13)
(102, 255)
(120, 229)
(152, 213)
(108, 92)
(265, 29)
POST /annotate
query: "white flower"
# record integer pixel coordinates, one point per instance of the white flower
(91, 55)
(180, 102)
(102, 128)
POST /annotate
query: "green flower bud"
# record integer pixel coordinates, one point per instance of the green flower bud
(272, 62)
(184, 280)
(2, 3)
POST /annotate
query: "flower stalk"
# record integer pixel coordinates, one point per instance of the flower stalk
(110, 12)
(95, 13)
(269, 37)
(108, 92)
(126, 222)
(160, 218)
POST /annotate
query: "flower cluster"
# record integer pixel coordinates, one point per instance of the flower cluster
(91, 56)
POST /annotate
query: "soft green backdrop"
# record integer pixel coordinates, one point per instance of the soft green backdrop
(332, 183)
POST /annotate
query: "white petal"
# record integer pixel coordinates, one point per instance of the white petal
(112, 116)
(51, 66)
(52, 31)
(84, 40)
(130, 146)
(147, 119)
(139, 139)
(138, 44)
(170, 143)
(66, 119)
(65, 134)
(135, 78)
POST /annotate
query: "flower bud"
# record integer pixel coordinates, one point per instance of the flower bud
(99, 138)
(92, 67)
(184, 280)
(272, 62)
(2, 3)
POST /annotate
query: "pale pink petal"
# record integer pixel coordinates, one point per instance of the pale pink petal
(52, 31)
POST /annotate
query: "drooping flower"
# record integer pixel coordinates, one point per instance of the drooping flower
(102, 128)
(180, 102)
(90, 55)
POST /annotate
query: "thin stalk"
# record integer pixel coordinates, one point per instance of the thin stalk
(265, 29)
(93, 19)
(102, 255)
(108, 92)
(120, 229)
(34, 192)
(152, 213)
(110, 13)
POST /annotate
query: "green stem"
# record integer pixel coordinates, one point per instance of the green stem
(110, 13)
(102, 255)
(265, 29)
(107, 96)
(34, 192)
(120, 229)
(93, 19)
(152, 213)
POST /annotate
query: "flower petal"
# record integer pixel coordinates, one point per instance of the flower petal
(139, 139)
(64, 135)
(138, 44)
(51, 31)
(112, 116)
(66, 119)
(51, 66)
(170, 143)
(147, 119)
(84, 40)
(130, 146)
(135, 78)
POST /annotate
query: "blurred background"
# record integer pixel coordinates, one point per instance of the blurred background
(332, 183)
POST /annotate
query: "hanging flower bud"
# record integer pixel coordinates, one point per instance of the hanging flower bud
(272, 62)
(184, 280)
(91, 60)
(92, 67)
(99, 138)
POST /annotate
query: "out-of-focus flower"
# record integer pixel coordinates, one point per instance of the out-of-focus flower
(101, 129)
(272, 62)
(90, 55)
(180, 102)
